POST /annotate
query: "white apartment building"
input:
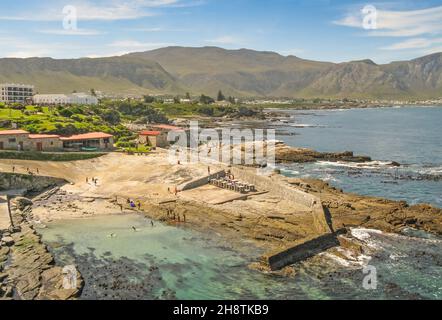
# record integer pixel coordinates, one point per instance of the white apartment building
(64, 99)
(12, 93)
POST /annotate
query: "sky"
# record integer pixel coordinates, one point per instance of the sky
(326, 30)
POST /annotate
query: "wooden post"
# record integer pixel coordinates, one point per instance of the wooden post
(8, 200)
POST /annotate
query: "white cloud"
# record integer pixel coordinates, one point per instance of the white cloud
(104, 10)
(399, 23)
(77, 32)
(225, 40)
(415, 43)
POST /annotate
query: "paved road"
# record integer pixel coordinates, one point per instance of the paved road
(4, 215)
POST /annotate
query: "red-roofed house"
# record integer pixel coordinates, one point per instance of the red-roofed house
(43, 142)
(24, 141)
(88, 141)
(13, 139)
(153, 138)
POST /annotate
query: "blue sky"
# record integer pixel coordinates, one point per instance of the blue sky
(328, 30)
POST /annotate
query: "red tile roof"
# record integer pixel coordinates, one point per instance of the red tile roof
(166, 127)
(13, 132)
(43, 136)
(150, 133)
(87, 136)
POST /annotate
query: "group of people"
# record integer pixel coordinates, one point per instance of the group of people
(94, 180)
(173, 191)
(171, 215)
(28, 171)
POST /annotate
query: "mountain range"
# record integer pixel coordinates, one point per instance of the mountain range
(240, 73)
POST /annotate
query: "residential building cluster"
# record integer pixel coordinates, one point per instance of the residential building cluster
(21, 140)
(22, 93)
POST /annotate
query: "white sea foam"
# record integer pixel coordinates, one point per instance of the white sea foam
(362, 165)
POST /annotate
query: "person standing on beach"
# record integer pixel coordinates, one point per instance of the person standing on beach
(184, 217)
(13, 169)
(139, 205)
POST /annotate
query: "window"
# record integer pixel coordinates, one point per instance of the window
(12, 140)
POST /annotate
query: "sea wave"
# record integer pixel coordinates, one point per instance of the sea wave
(357, 165)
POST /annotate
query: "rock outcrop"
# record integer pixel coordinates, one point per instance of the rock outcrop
(27, 268)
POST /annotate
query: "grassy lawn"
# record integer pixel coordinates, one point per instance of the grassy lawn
(140, 149)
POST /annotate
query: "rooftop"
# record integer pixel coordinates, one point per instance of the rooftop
(43, 136)
(166, 127)
(87, 136)
(13, 132)
(150, 133)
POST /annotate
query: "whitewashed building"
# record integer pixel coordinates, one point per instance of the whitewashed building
(12, 93)
(64, 99)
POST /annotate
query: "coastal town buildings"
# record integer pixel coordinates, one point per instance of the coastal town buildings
(65, 99)
(16, 93)
(156, 135)
(153, 138)
(21, 140)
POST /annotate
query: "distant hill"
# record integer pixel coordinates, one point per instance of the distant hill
(241, 72)
(127, 75)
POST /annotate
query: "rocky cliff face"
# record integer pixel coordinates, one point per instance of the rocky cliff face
(10, 181)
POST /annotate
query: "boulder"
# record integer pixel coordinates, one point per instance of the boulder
(7, 241)
(22, 203)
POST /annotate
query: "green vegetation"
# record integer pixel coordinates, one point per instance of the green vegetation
(107, 117)
(48, 156)
(206, 110)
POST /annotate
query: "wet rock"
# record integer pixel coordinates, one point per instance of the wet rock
(22, 203)
(7, 241)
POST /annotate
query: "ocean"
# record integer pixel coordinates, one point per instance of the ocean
(410, 136)
(164, 262)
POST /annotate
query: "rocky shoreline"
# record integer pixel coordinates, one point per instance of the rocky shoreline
(27, 268)
(269, 221)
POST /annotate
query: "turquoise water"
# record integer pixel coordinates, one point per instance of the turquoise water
(164, 262)
(408, 135)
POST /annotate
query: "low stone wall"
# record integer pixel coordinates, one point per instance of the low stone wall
(286, 191)
(274, 186)
(200, 181)
(12, 181)
(305, 250)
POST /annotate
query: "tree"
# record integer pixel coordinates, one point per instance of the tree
(232, 100)
(93, 93)
(188, 96)
(221, 97)
(176, 100)
(110, 116)
(149, 99)
(206, 99)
